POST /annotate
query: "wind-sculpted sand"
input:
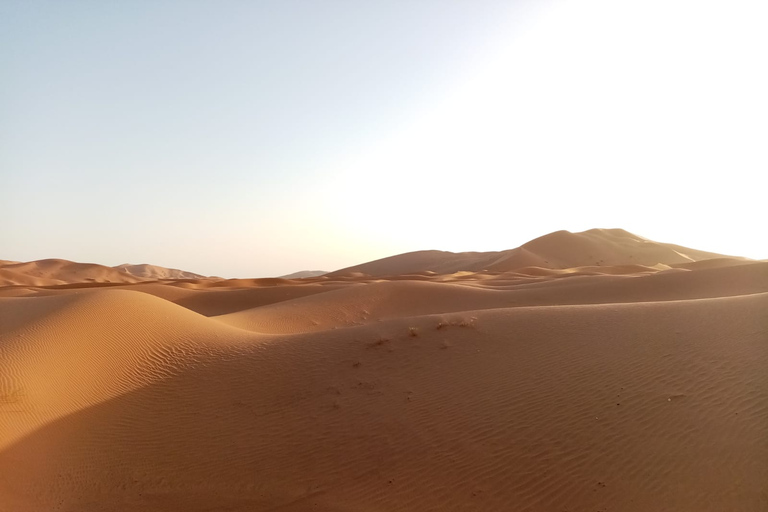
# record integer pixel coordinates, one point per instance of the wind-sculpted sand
(625, 387)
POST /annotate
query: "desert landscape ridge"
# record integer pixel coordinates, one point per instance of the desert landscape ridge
(590, 371)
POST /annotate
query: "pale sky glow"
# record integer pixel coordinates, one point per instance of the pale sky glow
(252, 139)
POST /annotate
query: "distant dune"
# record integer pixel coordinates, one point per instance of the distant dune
(154, 272)
(558, 250)
(53, 272)
(633, 380)
(305, 273)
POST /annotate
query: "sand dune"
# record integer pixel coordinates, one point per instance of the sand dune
(147, 271)
(219, 301)
(53, 272)
(305, 273)
(358, 305)
(12, 278)
(559, 250)
(630, 386)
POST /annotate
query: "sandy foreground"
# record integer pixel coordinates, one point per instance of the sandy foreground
(611, 387)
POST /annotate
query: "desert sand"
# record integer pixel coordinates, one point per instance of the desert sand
(594, 371)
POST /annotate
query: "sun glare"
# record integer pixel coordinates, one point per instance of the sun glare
(607, 109)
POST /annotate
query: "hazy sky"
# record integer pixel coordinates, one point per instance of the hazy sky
(257, 138)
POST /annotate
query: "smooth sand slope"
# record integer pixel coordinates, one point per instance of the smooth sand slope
(634, 388)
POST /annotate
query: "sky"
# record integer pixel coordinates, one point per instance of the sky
(256, 138)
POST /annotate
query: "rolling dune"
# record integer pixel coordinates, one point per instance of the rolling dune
(627, 386)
